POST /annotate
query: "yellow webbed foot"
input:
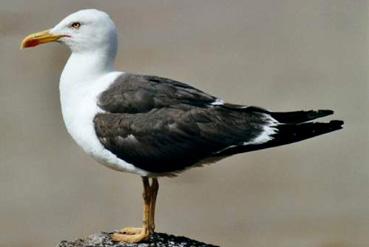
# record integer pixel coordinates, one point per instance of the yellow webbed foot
(131, 235)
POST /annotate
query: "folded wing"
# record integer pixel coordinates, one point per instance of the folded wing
(164, 126)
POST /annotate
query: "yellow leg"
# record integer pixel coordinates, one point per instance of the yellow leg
(134, 234)
(154, 193)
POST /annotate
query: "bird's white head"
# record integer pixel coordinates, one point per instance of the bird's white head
(83, 31)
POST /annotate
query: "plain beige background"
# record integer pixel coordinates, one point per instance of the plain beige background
(280, 54)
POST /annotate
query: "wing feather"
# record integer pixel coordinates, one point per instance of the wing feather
(165, 126)
(172, 139)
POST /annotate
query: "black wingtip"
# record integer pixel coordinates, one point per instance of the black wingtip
(290, 133)
(324, 112)
(300, 116)
(336, 124)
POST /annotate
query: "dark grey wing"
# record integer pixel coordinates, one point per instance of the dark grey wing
(171, 139)
(132, 93)
(164, 126)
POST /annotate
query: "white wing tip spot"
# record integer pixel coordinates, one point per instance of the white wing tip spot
(268, 131)
(218, 102)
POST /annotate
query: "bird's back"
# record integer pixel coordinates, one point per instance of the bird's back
(164, 126)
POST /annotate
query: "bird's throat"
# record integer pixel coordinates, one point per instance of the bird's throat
(83, 67)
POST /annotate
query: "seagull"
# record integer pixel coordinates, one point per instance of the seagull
(153, 126)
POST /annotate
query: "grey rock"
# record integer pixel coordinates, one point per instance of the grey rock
(103, 239)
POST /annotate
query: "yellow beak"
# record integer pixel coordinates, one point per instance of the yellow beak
(39, 38)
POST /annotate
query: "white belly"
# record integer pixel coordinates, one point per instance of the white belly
(79, 107)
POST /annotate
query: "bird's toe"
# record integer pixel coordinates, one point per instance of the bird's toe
(131, 235)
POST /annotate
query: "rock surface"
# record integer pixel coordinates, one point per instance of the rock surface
(157, 239)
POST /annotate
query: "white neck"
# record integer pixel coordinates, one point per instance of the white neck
(85, 66)
(84, 77)
(82, 81)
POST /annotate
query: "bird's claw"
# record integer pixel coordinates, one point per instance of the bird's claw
(131, 235)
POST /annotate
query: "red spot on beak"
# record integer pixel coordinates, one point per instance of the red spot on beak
(31, 43)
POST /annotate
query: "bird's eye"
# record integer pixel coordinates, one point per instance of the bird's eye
(75, 25)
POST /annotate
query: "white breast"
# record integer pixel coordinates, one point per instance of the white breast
(79, 107)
